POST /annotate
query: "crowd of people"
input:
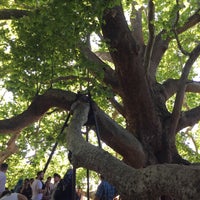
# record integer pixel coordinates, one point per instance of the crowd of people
(34, 188)
(60, 189)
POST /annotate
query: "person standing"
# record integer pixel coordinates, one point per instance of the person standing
(3, 170)
(37, 187)
(105, 190)
(57, 179)
(26, 189)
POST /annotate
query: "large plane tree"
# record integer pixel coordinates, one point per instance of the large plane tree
(138, 59)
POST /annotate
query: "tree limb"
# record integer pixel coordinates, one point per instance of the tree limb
(171, 87)
(11, 148)
(174, 29)
(111, 133)
(109, 74)
(192, 21)
(117, 106)
(189, 118)
(181, 91)
(152, 181)
(160, 45)
(6, 14)
(136, 22)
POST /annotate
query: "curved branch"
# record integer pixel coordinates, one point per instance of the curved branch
(40, 104)
(6, 14)
(111, 133)
(174, 29)
(152, 181)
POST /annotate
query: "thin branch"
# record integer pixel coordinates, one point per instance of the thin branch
(192, 21)
(181, 91)
(174, 29)
(149, 48)
(160, 45)
(187, 132)
(117, 106)
(11, 147)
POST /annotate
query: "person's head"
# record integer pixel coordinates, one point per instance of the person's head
(56, 177)
(49, 178)
(4, 167)
(26, 181)
(101, 177)
(40, 175)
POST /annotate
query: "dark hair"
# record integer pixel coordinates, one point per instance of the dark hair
(56, 175)
(40, 172)
(4, 166)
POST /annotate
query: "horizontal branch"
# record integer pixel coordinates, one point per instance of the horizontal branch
(171, 87)
(111, 133)
(7, 14)
(40, 104)
(189, 118)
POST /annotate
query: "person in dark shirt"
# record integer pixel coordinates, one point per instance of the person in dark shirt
(26, 189)
(64, 189)
(105, 191)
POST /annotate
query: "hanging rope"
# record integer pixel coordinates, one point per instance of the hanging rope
(56, 143)
(92, 120)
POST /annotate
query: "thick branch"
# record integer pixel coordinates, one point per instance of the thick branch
(120, 139)
(41, 103)
(6, 14)
(136, 22)
(189, 118)
(109, 74)
(111, 133)
(152, 181)
(171, 87)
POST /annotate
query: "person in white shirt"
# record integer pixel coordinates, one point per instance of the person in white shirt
(12, 196)
(3, 170)
(37, 187)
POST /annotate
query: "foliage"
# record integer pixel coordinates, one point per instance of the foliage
(44, 50)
